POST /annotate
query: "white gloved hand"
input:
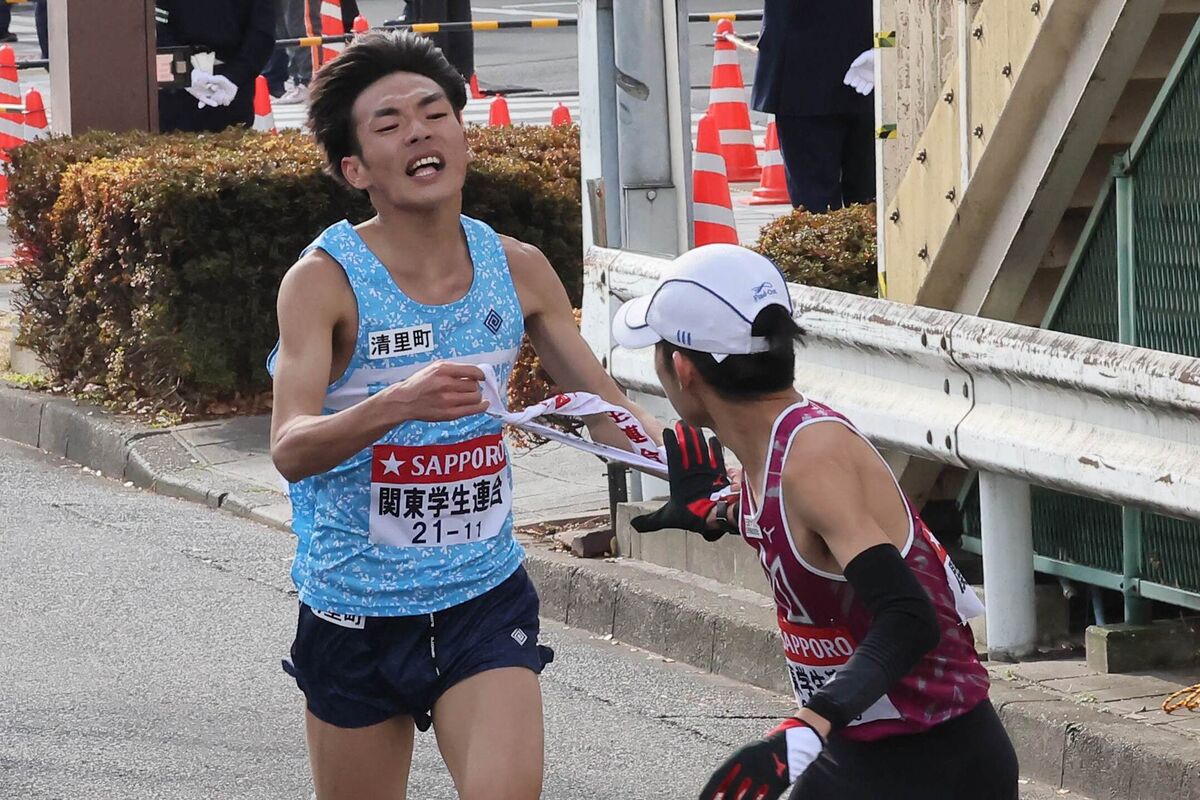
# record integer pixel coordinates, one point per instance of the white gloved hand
(212, 90)
(861, 75)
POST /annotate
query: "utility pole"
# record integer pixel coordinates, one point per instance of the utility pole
(636, 147)
(653, 124)
(104, 72)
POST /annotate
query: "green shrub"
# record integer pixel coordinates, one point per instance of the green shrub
(150, 265)
(831, 251)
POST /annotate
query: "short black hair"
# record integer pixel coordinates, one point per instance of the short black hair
(742, 377)
(370, 57)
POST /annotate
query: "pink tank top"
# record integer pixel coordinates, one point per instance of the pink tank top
(821, 621)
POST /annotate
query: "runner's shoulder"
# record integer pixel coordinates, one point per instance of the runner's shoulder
(314, 284)
(825, 441)
(823, 462)
(525, 259)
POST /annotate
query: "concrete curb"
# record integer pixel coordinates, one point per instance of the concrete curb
(148, 458)
(726, 630)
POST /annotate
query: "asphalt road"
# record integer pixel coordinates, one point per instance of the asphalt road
(140, 654)
(547, 60)
(139, 658)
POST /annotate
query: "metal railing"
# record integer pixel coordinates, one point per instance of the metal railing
(1021, 406)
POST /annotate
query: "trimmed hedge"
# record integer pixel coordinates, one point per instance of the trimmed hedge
(150, 264)
(836, 250)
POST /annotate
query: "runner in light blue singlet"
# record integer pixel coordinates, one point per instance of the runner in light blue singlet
(414, 609)
(337, 568)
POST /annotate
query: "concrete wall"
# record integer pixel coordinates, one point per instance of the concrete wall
(728, 560)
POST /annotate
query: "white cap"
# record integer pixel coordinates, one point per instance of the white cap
(707, 300)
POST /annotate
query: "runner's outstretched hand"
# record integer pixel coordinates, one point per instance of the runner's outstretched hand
(763, 770)
(696, 470)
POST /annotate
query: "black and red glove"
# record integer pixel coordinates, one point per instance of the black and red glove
(763, 770)
(696, 471)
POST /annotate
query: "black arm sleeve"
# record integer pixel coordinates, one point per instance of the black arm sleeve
(904, 628)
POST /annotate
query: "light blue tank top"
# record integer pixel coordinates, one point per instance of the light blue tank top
(422, 520)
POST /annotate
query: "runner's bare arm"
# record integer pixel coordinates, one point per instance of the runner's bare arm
(314, 298)
(569, 361)
(824, 492)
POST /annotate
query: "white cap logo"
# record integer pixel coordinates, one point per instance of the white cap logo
(763, 291)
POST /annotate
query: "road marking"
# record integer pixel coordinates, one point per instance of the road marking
(516, 12)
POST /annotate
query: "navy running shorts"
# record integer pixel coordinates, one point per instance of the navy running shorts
(358, 671)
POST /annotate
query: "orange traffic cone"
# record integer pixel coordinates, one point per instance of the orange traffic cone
(772, 190)
(12, 123)
(498, 113)
(473, 87)
(264, 117)
(360, 24)
(36, 124)
(712, 206)
(560, 116)
(331, 25)
(727, 104)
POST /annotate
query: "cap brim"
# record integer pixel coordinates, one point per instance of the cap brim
(629, 328)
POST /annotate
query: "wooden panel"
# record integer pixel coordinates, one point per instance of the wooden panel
(925, 213)
(1002, 39)
(924, 57)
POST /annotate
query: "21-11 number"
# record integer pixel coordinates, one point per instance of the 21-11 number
(421, 528)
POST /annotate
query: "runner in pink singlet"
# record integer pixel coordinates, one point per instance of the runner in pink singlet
(872, 612)
(820, 624)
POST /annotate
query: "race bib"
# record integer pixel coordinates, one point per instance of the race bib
(966, 602)
(814, 655)
(439, 495)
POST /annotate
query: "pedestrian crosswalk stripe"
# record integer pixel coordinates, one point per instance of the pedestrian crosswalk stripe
(524, 110)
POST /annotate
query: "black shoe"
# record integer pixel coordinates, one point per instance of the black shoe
(8, 38)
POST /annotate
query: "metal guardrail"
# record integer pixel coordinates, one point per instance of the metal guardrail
(1020, 405)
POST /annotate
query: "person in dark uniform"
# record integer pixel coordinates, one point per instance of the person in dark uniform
(41, 21)
(6, 36)
(459, 46)
(825, 126)
(233, 40)
(349, 13)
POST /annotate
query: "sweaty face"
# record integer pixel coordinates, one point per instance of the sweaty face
(413, 148)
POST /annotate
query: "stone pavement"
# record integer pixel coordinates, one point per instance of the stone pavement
(1098, 735)
(550, 482)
